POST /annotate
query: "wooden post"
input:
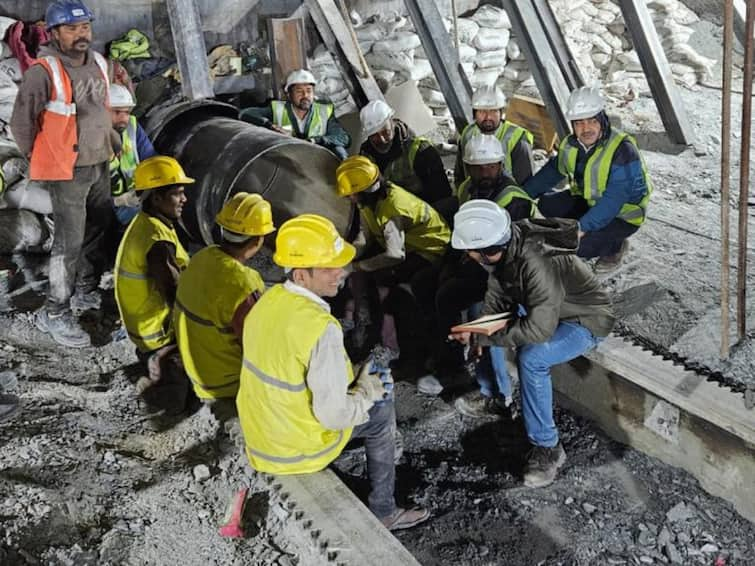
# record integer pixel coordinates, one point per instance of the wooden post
(287, 51)
(725, 174)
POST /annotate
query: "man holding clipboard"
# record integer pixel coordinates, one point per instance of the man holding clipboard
(563, 311)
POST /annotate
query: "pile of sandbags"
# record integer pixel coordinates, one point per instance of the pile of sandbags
(330, 83)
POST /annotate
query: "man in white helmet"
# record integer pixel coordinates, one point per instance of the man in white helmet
(561, 311)
(301, 116)
(488, 103)
(609, 186)
(409, 161)
(135, 146)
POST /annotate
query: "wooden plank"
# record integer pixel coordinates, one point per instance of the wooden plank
(530, 113)
(287, 50)
(658, 71)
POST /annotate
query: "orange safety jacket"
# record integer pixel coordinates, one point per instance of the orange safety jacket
(55, 149)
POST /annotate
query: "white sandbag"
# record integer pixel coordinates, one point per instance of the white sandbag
(399, 62)
(383, 75)
(600, 45)
(510, 73)
(589, 9)
(400, 41)
(468, 68)
(28, 195)
(490, 39)
(433, 98)
(513, 51)
(686, 54)
(601, 60)
(366, 46)
(338, 96)
(329, 85)
(8, 91)
(441, 111)
(466, 53)
(605, 17)
(5, 23)
(484, 77)
(23, 231)
(11, 67)
(467, 30)
(420, 69)
(346, 106)
(370, 32)
(429, 82)
(684, 15)
(488, 16)
(491, 59)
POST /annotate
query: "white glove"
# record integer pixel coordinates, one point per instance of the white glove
(369, 384)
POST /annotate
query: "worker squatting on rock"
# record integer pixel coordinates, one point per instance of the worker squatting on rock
(61, 123)
(298, 402)
(560, 311)
(149, 261)
(301, 116)
(609, 186)
(215, 293)
(488, 103)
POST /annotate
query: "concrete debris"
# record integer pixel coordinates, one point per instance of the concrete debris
(589, 509)
(680, 512)
(201, 473)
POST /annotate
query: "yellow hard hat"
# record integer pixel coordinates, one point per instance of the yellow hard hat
(159, 171)
(247, 214)
(355, 174)
(309, 240)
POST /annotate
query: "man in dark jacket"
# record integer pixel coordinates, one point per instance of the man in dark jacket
(61, 123)
(562, 313)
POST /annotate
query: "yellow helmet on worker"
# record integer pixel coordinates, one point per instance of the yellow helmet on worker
(356, 174)
(310, 240)
(244, 216)
(159, 171)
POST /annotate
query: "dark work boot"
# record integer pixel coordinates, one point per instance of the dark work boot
(64, 328)
(610, 262)
(543, 464)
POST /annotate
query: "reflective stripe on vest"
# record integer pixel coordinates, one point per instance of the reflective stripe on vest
(502, 199)
(281, 433)
(122, 168)
(55, 150)
(401, 170)
(145, 313)
(597, 170)
(428, 235)
(210, 291)
(507, 133)
(318, 125)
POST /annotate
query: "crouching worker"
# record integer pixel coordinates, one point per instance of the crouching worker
(215, 294)
(564, 311)
(147, 266)
(298, 401)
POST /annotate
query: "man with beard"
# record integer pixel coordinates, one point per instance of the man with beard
(300, 116)
(609, 186)
(134, 147)
(61, 123)
(409, 161)
(488, 103)
(149, 261)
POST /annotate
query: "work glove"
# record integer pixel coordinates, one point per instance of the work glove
(369, 385)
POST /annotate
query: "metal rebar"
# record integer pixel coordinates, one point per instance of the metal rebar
(744, 174)
(726, 172)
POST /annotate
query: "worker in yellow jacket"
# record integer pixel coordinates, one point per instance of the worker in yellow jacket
(150, 258)
(298, 402)
(215, 293)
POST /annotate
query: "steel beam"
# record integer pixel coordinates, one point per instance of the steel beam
(443, 58)
(191, 52)
(533, 40)
(657, 70)
(566, 62)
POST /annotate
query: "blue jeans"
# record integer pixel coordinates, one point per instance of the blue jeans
(535, 361)
(491, 372)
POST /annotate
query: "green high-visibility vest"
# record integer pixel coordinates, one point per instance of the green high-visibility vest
(507, 133)
(401, 170)
(318, 125)
(122, 167)
(597, 169)
(502, 199)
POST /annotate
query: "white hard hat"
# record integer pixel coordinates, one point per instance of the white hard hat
(120, 97)
(488, 97)
(480, 223)
(483, 149)
(584, 102)
(300, 76)
(374, 116)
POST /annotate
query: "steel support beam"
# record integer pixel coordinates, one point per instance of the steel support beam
(443, 58)
(191, 53)
(566, 62)
(533, 40)
(337, 37)
(657, 70)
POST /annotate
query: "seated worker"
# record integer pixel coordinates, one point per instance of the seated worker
(215, 293)
(409, 161)
(411, 237)
(564, 312)
(488, 103)
(300, 116)
(298, 402)
(150, 258)
(609, 186)
(463, 282)
(135, 147)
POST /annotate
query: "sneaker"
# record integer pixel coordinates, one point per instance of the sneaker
(81, 301)
(405, 518)
(429, 385)
(8, 406)
(543, 464)
(611, 262)
(476, 405)
(64, 329)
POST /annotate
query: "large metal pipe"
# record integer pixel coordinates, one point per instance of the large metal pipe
(226, 155)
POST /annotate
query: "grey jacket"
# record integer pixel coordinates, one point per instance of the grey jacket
(90, 92)
(551, 287)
